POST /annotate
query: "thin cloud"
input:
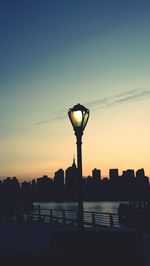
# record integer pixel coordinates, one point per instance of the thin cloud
(53, 118)
(121, 98)
(128, 96)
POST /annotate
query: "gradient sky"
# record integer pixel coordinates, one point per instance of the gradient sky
(56, 53)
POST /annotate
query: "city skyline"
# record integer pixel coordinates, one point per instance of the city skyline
(102, 176)
(56, 54)
(64, 186)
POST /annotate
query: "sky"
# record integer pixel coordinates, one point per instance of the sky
(57, 53)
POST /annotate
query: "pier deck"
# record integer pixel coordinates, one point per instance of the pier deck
(117, 246)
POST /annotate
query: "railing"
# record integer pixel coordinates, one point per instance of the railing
(65, 217)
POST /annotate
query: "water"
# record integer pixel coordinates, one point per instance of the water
(109, 207)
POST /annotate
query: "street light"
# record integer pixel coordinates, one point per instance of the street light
(79, 116)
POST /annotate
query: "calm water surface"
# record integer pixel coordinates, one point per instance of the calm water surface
(110, 207)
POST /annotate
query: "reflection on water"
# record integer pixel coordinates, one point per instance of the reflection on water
(109, 207)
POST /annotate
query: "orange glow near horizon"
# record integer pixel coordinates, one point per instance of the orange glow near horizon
(110, 141)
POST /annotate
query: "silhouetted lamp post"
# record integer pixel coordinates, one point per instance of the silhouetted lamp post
(79, 116)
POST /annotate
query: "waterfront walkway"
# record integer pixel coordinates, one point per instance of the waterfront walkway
(54, 234)
(120, 247)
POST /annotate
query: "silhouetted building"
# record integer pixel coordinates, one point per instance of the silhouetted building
(26, 191)
(88, 189)
(115, 186)
(96, 174)
(128, 185)
(128, 175)
(59, 177)
(71, 182)
(44, 188)
(142, 185)
(10, 189)
(105, 189)
(59, 185)
(113, 174)
(89, 180)
(140, 173)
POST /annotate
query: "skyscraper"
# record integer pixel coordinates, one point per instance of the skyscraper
(96, 175)
(113, 174)
(59, 177)
(71, 181)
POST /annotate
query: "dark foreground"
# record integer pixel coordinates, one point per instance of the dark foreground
(45, 245)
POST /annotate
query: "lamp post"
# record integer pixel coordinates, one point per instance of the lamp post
(79, 116)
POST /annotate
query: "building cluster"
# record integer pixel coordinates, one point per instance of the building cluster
(130, 185)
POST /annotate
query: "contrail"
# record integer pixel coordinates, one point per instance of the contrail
(121, 98)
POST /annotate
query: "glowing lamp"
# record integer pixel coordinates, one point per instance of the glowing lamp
(79, 116)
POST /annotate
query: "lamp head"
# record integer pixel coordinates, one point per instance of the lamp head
(78, 116)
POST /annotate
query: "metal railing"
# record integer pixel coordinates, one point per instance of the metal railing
(66, 217)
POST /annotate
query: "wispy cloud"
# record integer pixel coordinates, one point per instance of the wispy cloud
(121, 98)
(54, 117)
(128, 96)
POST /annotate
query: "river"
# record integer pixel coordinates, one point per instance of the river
(109, 207)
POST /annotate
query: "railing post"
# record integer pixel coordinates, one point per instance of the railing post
(51, 216)
(93, 219)
(64, 217)
(39, 213)
(111, 220)
(80, 219)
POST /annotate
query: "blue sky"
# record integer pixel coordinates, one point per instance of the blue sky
(54, 54)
